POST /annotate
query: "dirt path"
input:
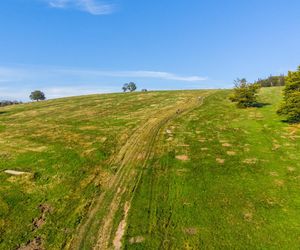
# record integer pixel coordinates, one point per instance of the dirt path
(131, 159)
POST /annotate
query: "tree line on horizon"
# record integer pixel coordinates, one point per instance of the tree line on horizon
(271, 81)
(7, 103)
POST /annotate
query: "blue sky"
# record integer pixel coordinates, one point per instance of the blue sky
(73, 47)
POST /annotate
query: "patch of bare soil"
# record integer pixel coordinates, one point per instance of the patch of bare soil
(40, 221)
(35, 244)
(231, 153)
(191, 230)
(279, 183)
(182, 157)
(136, 240)
(291, 169)
(121, 228)
(273, 173)
(182, 171)
(250, 161)
(168, 131)
(219, 160)
(275, 147)
(246, 149)
(248, 216)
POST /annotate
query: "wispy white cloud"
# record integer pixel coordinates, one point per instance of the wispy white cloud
(134, 74)
(168, 76)
(93, 7)
(10, 74)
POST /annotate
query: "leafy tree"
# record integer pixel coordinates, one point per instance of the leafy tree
(290, 108)
(244, 93)
(125, 87)
(37, 95)
(132, 86)
(129, 86)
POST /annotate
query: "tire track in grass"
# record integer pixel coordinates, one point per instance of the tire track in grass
(131, 159)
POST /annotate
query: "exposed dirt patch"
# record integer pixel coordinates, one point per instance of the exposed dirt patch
(89, 128)
(121, 229)
(191, 230)
(291, 169)
(276, 146)
(182, 157)
(182, 171)
(250, 161)
(279, 183)
(248, 216)
(40, 221)
(35, 244)
(226, 144)
(168, 131)
(136, 240)
(37, 149)
(220, 161)
(273, 173)
(231, 153)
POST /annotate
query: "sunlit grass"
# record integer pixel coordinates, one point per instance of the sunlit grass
(65, 146)
(221, 178)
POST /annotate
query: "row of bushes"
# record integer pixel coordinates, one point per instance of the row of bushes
(7, 103)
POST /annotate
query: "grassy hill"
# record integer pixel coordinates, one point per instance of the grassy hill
(156, 170)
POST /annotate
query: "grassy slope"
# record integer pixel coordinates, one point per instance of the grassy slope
(238, 190)
(66, 145)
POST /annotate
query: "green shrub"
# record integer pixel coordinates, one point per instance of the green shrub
(244, 93)
(290, 108)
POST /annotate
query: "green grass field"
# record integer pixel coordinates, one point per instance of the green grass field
(156, 170)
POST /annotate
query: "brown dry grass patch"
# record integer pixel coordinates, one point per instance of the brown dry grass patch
(220, 161)
(182, 157)
(231, 153)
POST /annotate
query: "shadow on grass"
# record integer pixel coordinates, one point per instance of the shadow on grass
(253, 105)
(3, 112)
(261, 104)
(291, 122)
